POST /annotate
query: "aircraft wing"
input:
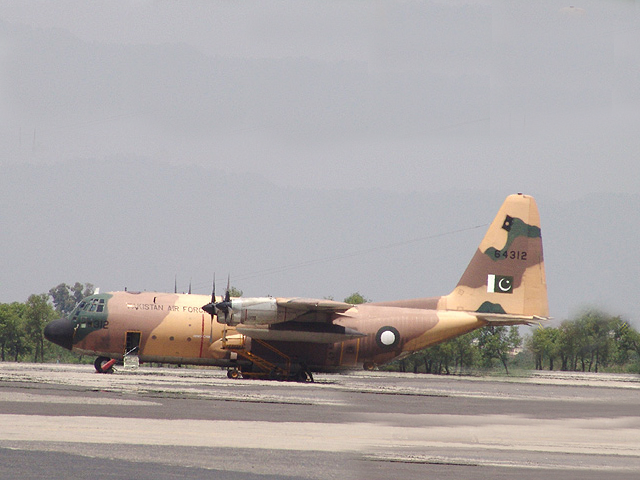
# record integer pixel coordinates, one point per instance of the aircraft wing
(300, 332)
(312, 305)
(302, 320)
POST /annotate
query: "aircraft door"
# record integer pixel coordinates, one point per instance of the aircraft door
(349, 353)
(132, 343)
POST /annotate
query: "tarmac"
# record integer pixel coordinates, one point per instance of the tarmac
(66, 421)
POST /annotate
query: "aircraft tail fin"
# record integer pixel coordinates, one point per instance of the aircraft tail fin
(506, 275)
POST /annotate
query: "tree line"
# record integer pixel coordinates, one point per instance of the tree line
(22, 324)
(482, 349)
(592, 342)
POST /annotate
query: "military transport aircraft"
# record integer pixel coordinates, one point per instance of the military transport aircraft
(288, 338)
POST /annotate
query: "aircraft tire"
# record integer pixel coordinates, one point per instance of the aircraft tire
(233, 373)
(100, 361)
(304, 376)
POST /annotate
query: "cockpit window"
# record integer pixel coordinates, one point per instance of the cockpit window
(93, 305)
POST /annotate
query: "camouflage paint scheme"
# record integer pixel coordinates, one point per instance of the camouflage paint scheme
(504, 284)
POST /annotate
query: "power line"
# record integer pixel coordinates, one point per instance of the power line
(317, 261)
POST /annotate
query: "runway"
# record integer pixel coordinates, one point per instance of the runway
(64, 421)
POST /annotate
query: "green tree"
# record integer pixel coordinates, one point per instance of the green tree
(627, 341)
(544, 343)
(497, 343)
(601, 345)
(65, 298)
(444, 358)
(590, 342)
(592, 334)
(534, 344)
(451, 356)
(436, 359)
(234, 292)
(38, 311)
(12, 341)
(356, 298)
(464, 351)
(568, 345)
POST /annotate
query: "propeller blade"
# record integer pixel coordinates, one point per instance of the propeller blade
(210, 307)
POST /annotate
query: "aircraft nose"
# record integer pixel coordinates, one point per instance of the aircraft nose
(60, 332)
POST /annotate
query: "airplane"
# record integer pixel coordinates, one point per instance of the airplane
(289, 338)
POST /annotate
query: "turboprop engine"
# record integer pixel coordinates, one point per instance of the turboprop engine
(263, 312)
(234, 311)
(248, 311)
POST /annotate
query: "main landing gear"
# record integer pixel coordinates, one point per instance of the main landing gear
(369, 366)
(302, 375)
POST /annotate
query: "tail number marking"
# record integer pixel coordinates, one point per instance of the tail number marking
(511, 254)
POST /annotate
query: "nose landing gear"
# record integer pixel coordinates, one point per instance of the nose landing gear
(104, 364)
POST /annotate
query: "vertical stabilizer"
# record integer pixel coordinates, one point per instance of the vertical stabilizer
(506, 274)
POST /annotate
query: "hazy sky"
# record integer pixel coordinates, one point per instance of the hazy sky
(316, 117)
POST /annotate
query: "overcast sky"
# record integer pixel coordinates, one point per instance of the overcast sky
(293, 113)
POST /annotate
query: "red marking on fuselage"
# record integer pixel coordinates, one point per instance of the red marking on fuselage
(202, 336)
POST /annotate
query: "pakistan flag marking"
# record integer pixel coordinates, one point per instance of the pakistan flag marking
(499, 284)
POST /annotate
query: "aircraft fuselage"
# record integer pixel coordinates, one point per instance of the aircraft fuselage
(173, 328)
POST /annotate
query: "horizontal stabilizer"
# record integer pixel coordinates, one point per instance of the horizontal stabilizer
(506, 319)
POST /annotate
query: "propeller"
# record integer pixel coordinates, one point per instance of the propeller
(213, 307)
